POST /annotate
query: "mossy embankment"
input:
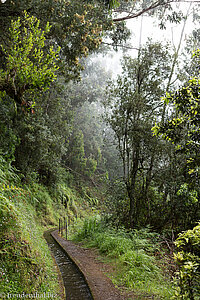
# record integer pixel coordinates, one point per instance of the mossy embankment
(26, 211)
(26, 265)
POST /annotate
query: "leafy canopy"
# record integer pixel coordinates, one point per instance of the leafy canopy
(29, 64)
(183, 128)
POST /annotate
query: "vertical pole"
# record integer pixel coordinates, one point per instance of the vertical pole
(63, 225)
(59, 226)
(66, 228)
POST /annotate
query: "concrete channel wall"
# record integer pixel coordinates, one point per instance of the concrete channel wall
(99, 284)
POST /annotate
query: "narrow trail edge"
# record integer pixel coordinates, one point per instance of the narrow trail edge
(100, 285)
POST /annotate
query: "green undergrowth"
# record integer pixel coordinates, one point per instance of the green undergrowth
(26, 265)
(26, 211)
(132, 253)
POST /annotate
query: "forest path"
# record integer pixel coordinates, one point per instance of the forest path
(93, 270)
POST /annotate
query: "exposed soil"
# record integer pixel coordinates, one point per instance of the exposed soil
(94, 271)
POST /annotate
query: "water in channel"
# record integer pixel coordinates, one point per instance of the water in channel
(76, 287)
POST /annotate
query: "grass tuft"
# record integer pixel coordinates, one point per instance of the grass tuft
(133, 254)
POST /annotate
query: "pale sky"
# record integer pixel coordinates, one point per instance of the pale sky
(150, 29)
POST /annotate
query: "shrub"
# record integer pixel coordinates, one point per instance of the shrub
(187, 258)
(88, 227)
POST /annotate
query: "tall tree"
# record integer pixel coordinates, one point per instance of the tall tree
(183, 128)
(133, 105)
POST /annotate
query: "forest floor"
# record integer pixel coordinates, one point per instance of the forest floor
(96, 272)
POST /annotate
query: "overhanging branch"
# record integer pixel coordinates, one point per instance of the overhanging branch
(131, 15)
(122, 46)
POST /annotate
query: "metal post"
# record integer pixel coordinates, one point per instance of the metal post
(66, 228)
(63, 226)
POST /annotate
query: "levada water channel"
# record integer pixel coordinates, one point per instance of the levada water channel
(75, 285)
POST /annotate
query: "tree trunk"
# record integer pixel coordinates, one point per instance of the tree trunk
(130, 185)
(131, 195)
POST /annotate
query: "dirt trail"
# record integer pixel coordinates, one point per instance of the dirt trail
(100, 285)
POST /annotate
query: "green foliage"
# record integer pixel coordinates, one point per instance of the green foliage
(8, 214)
(132, 253)
(77, 27)
(91, 166)
(90, 226)
(76, 156)
(8, 137)
(187, 257)
(182, 130)
(183, 126)
(117, 204)
(119, 35)
(68, 198)
(25, 261)
(113, 3)
(191, 196)
(29, 65)
(41, 138)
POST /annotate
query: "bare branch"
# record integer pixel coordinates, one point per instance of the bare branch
(131, 15)
(122, 46)
(151, 7)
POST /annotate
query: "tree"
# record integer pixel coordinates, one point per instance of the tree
(77, 27)
(183, 129)
(35, 142)
(85, 98)
(27, 67)
(133, 105)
